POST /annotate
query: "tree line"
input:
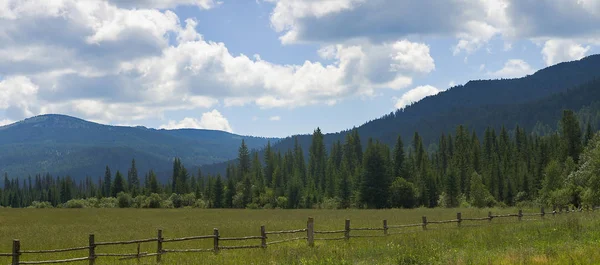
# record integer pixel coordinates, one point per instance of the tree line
(502, 168)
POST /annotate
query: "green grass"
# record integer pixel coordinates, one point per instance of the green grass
(564, 239)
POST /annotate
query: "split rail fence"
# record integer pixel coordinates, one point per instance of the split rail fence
(309, 236)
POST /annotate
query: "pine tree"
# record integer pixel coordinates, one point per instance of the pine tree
(316, 161)
(154, 187)
(118, 185)
(107, 183)
(269, 165)
(229, 193)
(399, 170)
(133, 181)
(243, 159)
(374, 188)
(217, 193)
(571, 135)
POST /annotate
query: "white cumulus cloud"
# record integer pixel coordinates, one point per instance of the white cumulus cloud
(212, 120)
(557, 50)
(414, 95)
(513, 68)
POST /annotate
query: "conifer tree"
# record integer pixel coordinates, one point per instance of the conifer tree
(107, 183)
(118, 185)
(133, 181)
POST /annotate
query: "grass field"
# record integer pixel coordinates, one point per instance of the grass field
(564, 239)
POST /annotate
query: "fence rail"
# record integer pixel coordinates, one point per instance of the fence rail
(216, 238)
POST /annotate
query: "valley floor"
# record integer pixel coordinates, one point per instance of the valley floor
(572, 238)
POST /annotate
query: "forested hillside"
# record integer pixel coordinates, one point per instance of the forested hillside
(501, 168)
(63, 145)
(533, 102)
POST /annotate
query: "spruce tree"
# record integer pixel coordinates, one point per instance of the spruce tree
(571, 135)
(399, 159)
(118, 185)
(107, 182)
(243, 159)
(133, 181)
(217, 193)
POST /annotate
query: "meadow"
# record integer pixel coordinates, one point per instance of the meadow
(562, 239)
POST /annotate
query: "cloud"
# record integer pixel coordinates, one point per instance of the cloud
(101, 60)
(512, 69)
(414, 95)
(557, 50)
(6, 122)
(212, 120)
(275, 118)
(471, 23)
(162, 4)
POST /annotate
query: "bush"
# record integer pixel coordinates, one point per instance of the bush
(110, 202)
(40, 205)
(252, 206)
(139, 201)
(403, 194)
(330, 203)
(124, 200)
(281, 202)
(175, 201)
(153, 201)
(75, 203)
(200, 203)
(188, 200)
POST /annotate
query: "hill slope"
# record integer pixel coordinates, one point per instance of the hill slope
(478, 104)
(60, 144)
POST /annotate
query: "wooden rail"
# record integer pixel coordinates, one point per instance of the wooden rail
(217, 246)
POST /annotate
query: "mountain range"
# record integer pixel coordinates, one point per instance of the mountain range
(64, 145)
(61, 145)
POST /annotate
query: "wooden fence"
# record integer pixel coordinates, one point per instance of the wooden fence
(310, 238)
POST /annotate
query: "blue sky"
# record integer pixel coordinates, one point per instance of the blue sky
(270, 67)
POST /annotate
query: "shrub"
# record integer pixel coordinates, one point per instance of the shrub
(110, 202)
(139, 201)
(75, 203)
(153, 201)
(403, 194)
(188, 199)
(124, 200)
(199, 203)
(330, 203)
(282, 202)
(40, 205)
(175, 201)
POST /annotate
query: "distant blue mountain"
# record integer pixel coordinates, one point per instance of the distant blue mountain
(64, 145)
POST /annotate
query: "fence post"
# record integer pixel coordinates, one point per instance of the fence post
(216, 240)
(92, 250)
(159, 239)
(520, 214)
(263, 234)
(490, 216)
(385, 228)
(16, 251)
(310, 231)
(459, 218)
(424, 218)
(347, 230)
(138, 252)
(543, 212)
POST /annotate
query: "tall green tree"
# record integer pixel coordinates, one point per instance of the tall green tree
(243, 159)
(374, 188)
(571, 135)
(133, 181)
(118, 184)
(107, 182)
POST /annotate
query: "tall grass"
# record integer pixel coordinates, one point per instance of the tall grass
(563, 239)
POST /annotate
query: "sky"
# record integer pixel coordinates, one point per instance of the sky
(270, 68)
